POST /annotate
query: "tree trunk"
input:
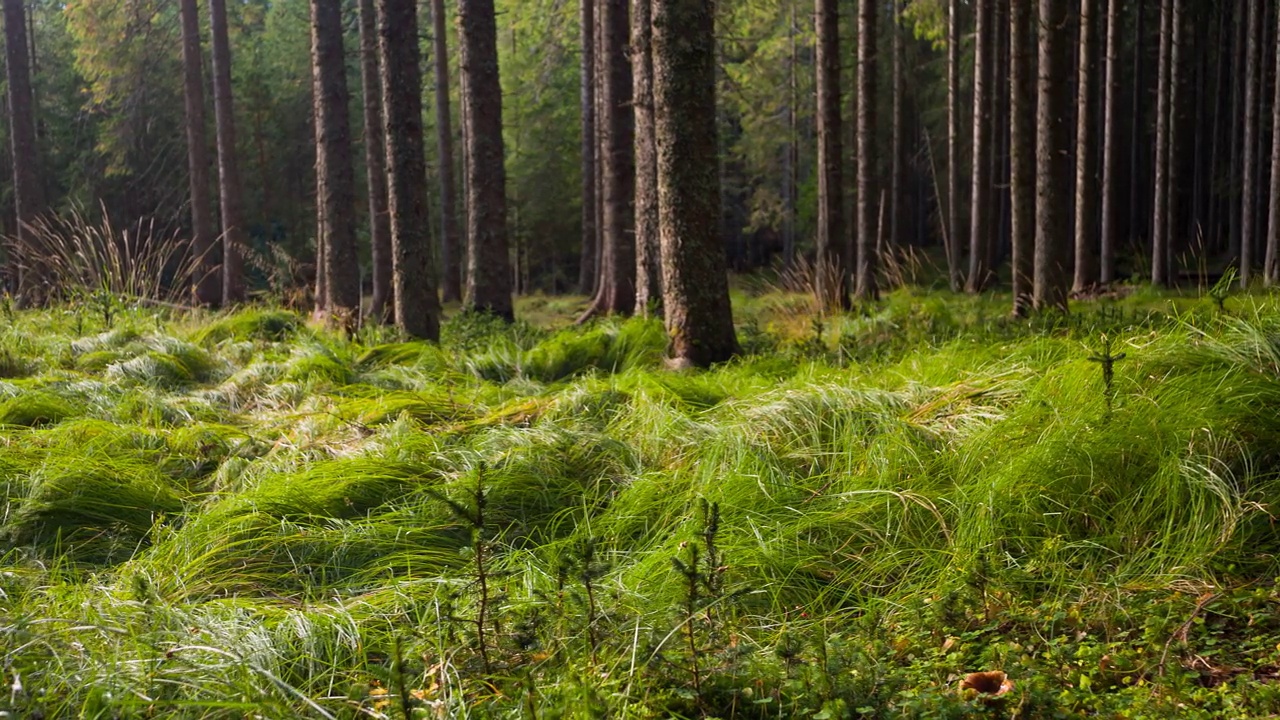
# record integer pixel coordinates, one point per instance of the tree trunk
(1172, 235)
(28, 197)
(1160, 207)
(868, 201)
(230, 191)
(1136, 136)
(450, 245)
(1022, 154)
(1110, 121)
(1271, 263)
(208, 287)
(335, 176)
(375, 159)
(695, 285)
(417, 309)
(587, 264)
(1249, 189)
(955, 252)
(981, 191)
(616, 289)
(793, 140)
(897, 129)
(1239, 51)
(648, 236)
(1086, 266)
(1053, 158)
(832, 267)
(488, 263)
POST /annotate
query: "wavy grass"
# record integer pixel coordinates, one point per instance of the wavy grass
(239, 514)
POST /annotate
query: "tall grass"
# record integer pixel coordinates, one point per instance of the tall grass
(247, 516)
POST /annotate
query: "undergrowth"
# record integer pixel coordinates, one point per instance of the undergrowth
(242, 515)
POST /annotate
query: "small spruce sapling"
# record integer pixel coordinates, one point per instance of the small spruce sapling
(1107, 359)
(472, 513)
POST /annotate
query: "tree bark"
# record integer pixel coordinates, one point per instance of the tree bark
(230, 190)
(1022, 154)
(1249, 188)
(488, 263)
(1107, 271)
(832, 267)
(335, 176)
(587, 263)
(1271, 262)
(417, 309)
(616, 288)
(208, 288)
(981, 191)
(868, 200)
(648, 236)
(695, 285)
(897, 127)
(375, 159)
(1053, 158)
(27, 192)
(1160, 207)
(1086, 266)
(450, 243)
(955, 252)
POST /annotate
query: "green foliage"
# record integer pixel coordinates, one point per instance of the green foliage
(528, 522)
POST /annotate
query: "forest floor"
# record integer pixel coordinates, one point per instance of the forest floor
(240, 515)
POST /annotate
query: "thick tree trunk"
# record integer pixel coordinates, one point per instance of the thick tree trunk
(955, 251)
(981, 194)
(335, 176)
(1107, 271)
(208, 287)
(488, 263)
(832, 265)
(587, 263)
(375, 159)
(230, 191)
(1022, 153)
(1086, 266)
(27, 193)
(648, 236)
(1249, 187)
(450, 235)
(868, 200)
(695, 286)
(1053, 158)
(615, 292)
(417, 309)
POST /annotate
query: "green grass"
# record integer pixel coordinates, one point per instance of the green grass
(224, 516)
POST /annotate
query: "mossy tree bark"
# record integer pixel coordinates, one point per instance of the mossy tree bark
(695, 286)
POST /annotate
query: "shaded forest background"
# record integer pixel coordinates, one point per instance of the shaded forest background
(109, 118)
